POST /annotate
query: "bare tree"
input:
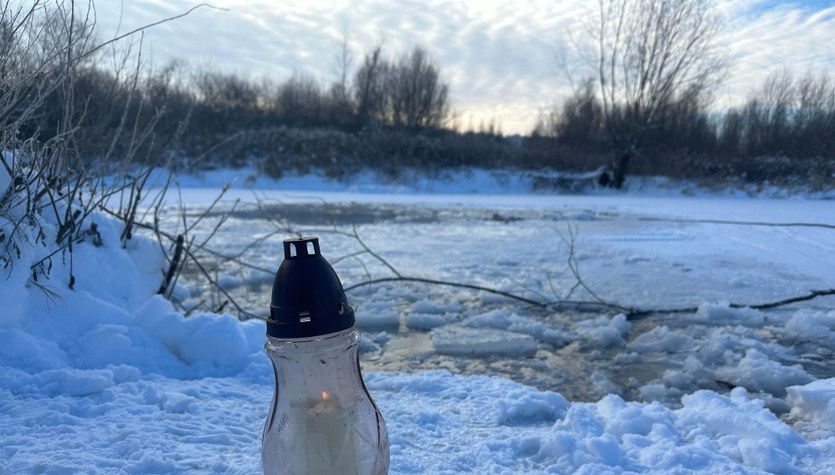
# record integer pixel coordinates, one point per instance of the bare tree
(578, 120)
(343, 61)
(785, 116)
(408, 92)
(341, 103)
(417, 95)
(300, 100)
(369, 85)
(646, 54)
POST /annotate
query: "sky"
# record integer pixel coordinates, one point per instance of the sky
(502, 59)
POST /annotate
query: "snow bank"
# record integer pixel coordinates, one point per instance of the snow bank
(114, 317)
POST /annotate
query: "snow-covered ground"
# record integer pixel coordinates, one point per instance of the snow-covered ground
(111, 378)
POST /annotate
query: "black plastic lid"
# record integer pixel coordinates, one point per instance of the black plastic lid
(308, 299)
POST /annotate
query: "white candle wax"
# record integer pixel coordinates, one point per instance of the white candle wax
(328, 432)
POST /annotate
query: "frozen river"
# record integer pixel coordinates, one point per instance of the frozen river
(635, 252)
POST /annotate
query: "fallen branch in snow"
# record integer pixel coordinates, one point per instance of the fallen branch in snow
(574, 267)
(631, 313)
(564, 302)
(373, 254)
(576, 304)
(813, 294)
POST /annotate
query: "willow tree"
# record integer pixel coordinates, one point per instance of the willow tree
(649, 55)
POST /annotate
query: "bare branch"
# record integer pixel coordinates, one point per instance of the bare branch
(145, 27)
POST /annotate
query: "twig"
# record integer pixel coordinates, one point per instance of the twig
(223, 190)
(237, 260)
(216, 285)
(223, 218)
(347, 256)
(143, 28)
(172, 266)
(372, 253)
(179, 270)
(574, 266)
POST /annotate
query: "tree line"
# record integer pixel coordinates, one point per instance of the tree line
(652, 68)
(647, 102)
(786, 123)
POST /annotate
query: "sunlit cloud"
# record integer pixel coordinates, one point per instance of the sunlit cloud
(501, 58)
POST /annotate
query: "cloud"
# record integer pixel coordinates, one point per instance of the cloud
(769, 36)
(500, 57)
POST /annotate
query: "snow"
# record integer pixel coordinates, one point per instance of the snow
(109, 377)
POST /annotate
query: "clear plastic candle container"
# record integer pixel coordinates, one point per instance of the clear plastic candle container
(322, 419)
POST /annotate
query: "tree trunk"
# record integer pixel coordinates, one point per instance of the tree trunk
(619, 170)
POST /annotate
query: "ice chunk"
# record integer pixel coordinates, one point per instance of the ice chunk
(426, 306)
(757, 372)
(604, 332)
(377, 314)
(494, 319)
(426, 321)
(717, 313)
(814, 405)
(502, 320)
(456, 340)
(661, 339)
(812, 325)
(524, 406)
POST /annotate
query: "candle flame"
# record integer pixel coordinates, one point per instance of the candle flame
(325, 395)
